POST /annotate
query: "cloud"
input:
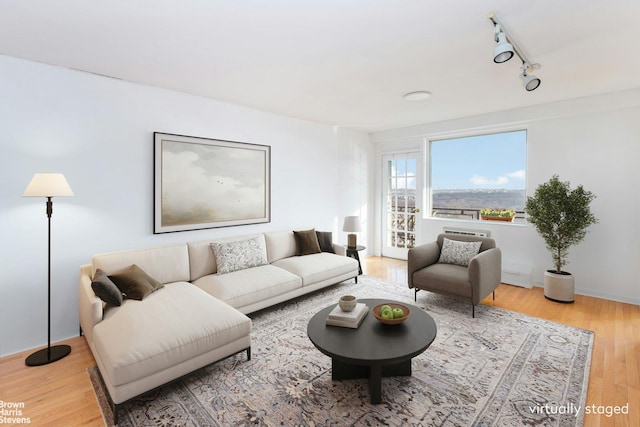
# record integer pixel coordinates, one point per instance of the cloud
(519, 174)
(482, 181)
(478, 180)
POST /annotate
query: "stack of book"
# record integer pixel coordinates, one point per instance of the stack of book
(348, 319)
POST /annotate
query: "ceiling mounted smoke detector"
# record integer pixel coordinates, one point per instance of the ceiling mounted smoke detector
(419, 95)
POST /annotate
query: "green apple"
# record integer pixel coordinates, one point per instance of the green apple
(384, 308)
(386, 314)
(398, 312)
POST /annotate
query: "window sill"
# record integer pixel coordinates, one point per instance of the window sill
(479, 222)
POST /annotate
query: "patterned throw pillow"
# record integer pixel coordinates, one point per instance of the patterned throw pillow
(458, 253)
(239, 254)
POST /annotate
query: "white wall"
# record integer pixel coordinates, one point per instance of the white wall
(591, 141)
(99, 132)
(356, 181)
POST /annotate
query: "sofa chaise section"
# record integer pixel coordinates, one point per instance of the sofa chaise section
(176, 330)
(179, 328)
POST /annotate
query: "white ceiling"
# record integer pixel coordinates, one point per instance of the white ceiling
(338, 62)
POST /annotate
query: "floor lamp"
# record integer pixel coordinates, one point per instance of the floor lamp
(48, 185)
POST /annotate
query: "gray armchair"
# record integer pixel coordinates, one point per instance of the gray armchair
(474, 282)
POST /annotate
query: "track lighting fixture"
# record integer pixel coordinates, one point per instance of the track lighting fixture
(506, 48)
(529, 81)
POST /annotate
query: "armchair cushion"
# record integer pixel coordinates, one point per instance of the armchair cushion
(446, 279)
(458, 253)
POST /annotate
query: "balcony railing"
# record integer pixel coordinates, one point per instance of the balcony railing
(469, 214)
(401, 227)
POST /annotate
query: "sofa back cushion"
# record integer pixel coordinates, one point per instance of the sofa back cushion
(166, 264)
(280, 244)
(202, 261)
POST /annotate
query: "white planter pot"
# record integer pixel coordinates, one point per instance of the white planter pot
(559, 287)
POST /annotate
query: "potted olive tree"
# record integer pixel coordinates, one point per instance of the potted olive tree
(561, 216)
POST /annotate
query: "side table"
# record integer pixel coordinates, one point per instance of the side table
(353, 253)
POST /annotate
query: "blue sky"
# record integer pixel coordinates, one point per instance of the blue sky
(488, 161)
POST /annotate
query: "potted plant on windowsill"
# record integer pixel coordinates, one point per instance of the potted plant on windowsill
(489, 214)
(561, 217)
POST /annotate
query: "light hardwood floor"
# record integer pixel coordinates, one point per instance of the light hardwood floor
(61, 394)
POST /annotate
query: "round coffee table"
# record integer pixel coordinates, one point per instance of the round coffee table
(373, 350)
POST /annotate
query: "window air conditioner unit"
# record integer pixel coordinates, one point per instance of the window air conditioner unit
(466, 232)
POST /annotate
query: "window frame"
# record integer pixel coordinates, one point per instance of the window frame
(427, 190)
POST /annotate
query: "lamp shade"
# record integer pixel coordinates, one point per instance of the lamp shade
(48, 185)
(351, 224)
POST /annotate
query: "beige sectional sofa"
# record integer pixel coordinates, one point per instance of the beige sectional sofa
(199, 315)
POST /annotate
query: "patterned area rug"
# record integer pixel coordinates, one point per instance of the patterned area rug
(499, 369)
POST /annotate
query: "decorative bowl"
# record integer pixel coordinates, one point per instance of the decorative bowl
(347, 302)
(396, 321)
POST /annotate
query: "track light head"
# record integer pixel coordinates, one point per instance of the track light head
(529, 81)
(504, 50)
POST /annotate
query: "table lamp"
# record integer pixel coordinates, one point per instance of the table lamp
(352, 226)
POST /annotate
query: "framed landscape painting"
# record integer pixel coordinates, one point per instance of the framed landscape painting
(206, 183)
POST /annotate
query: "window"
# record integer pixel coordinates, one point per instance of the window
(478, 172)
(401, 201)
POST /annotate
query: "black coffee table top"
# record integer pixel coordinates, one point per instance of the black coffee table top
(373, 343)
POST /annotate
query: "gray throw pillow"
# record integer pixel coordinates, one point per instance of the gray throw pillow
(325, 240)
(105, 289)
(135, 283)
(458, 253)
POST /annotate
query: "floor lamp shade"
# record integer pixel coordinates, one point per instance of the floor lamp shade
(352, 226)
(48, 185)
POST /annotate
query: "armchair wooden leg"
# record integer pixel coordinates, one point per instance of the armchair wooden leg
(473, 310)
(415, 294)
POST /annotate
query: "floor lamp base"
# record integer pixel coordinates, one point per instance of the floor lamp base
(48, 355)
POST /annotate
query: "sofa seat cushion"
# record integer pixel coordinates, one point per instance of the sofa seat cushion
(316, 268)
(444, 278)
(244, 287)
(170, 326)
